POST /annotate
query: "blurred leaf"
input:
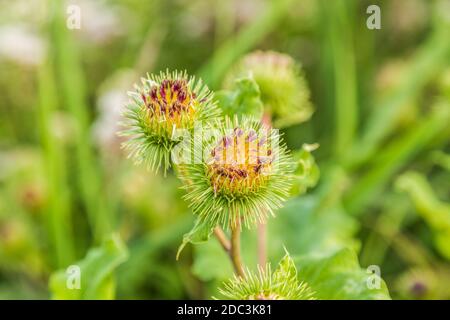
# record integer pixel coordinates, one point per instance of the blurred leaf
(424, 283)
(145, 253)
(307, 173)
(242, 99)
(435, 213)
(442, 159)
(96, 273)
(211, 262)
(339, 276)
(304, 228)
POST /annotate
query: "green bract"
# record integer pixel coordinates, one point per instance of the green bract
(282, 284)
(158, 110)
(284, 91)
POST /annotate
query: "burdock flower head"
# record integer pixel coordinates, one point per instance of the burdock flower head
(282, 284)
(244, 175)
(284, 90)
(158, 110)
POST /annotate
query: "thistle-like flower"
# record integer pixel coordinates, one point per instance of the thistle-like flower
(284, 90)
(282, 284)
(244, 176)
(158, 110)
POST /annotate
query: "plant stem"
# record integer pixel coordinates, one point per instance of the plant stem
(233, 248)
(58, 212)
(222, 238)
(344, 67)
(262, 244)
(235, 252)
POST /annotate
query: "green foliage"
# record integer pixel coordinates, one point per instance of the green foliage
(305, 227)
(442, 159)
(338, 276)
(244, 98)
(307, 173)
(301, 226)
(379, 115)
(435, 212)
(223, 58)
(96, 273)
(73, 95)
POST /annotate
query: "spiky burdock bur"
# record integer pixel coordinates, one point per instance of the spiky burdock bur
(244, 176)
(282, 284)
(159, 109)
(284, 90)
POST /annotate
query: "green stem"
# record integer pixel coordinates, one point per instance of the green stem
(222, 238)
(58, 211)
(262, 244)
(74, 93)
(340, 37)
(235, 251)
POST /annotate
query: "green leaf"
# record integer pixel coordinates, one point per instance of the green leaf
(200, 233)
(286, 268)
(307, 172)
(242, 99)
(303, 227)
(211, 262)
(96, 273)
(338, 276)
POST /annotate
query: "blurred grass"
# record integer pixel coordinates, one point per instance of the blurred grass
(395, 155)
(89, 174)
(230, 51)
(59, 204)
(342, 65)
(427, 62)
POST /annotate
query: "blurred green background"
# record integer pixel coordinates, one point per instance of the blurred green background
(382, 115)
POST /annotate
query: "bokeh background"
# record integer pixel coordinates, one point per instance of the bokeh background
(382, 115)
